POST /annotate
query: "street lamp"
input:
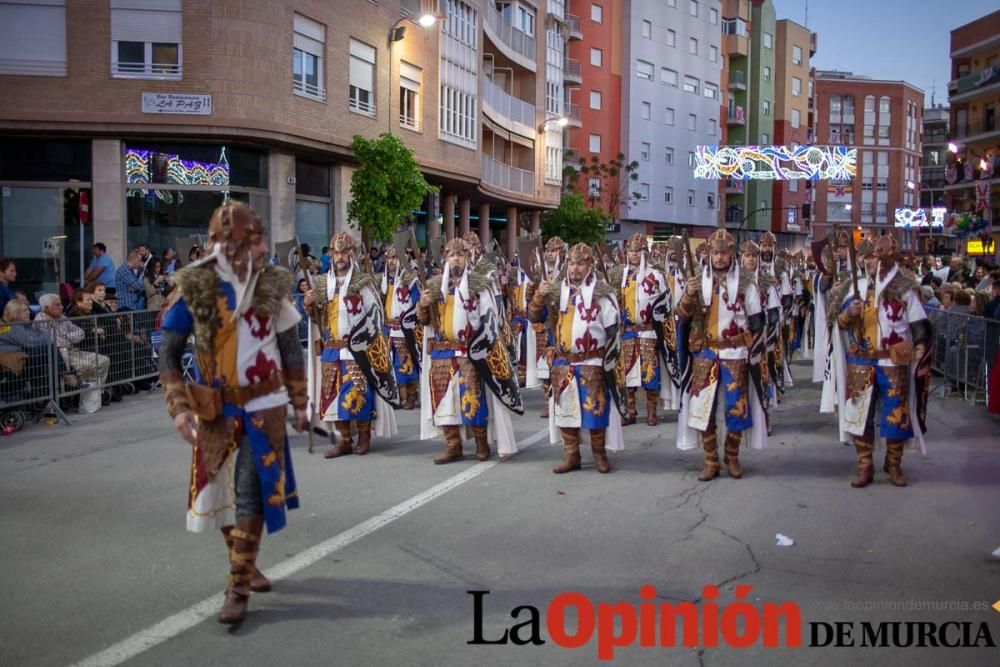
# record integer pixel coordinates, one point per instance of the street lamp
(911, 185)
(953, 147)
(561, 121)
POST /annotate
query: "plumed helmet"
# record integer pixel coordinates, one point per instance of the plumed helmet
(887, 247)
(749, 248)
(555, 243)
(636, 242)
(236, 228)
(456, 246)
(342, 242)
(767, 239)
(721, 240)
(865, 248)
(473, 241)
(391, 252)
(581, 252)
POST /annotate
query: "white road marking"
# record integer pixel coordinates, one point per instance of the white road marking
(185, 620)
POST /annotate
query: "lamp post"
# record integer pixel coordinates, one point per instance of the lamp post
(396, 34)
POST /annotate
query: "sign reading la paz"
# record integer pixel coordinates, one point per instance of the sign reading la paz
(177, 103)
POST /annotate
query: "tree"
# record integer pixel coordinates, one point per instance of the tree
(575, 222)
(387, 187)
(614, 191)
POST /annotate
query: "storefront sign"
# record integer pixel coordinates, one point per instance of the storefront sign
(614, 227)
(979, 248)
(198, 105)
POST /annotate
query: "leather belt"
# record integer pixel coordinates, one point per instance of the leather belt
(575, 358)
(393, 323)
(864, 354)
(744, 339)
(335, 344)
(638, 328)
(240, 396)
(446, 346)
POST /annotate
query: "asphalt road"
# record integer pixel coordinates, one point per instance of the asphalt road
(375, 567)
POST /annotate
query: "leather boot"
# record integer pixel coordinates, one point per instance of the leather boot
(571, 451)
(546, 392)
(597, 440)
(482, 445)
(651, 400)
(364, 438)
(866, 469)
(631, 414)
(732, 458)
(893, 462)
(453, 445)
(409, 395)
(258, 582)
(710, 469)
(346, 444)
(242, 562)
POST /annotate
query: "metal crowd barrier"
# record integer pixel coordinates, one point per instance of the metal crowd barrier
(964, 352)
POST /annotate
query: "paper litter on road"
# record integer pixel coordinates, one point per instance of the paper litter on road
(784, 540)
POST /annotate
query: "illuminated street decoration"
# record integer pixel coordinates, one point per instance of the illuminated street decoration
(776, 163)
(920, 217)
(140, 164)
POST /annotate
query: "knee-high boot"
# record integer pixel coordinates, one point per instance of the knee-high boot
(546, 392)
(482, 444)
(865, 473)
(258, 582)
(453, 445)
(242, 562)
(652, 398)
(571, 451)
(894, 462)
(631, 412)
(598, 438)
(732, 458)
(364, 438)
(710, 469)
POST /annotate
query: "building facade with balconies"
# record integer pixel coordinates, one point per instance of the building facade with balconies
(159, 111)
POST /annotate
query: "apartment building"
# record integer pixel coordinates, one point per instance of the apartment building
(157, 110)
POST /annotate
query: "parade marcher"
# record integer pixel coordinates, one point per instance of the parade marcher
(643, 297)
(761, 374)
(587, 385)
(772, 267)
(248, 366)
(885, 340)
(358, 384)
(463, 353)
(401, 290)
(518, 291)
(552, 267)
(725, 314)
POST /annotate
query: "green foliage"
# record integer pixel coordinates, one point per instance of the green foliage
(387, 187)
(615, 192)
(575, 222)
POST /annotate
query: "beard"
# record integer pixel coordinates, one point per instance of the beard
(766, 256)
(885, 266)
(456, 271)
(341, 267)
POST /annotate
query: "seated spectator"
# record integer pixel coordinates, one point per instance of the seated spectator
(52, 322)
(20, 336)
(98, 294)
(927, 295)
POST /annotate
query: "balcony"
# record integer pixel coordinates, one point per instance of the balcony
(573, 114)
(969, 86)
(508, 111)
(812, 44)
(736, 46)
(736, 116)
(571, 158)
(934, 137)
(575, 32)
(932, 178)
(975, 129)
(734, 186)
(737, 80)
(571, 71)
(516, 45)
(505, 177)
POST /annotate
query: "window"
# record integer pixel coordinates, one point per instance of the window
(692, 122)
(793, 185)
(693, 8)
(796, 117)
(409, 95)
(668, 195)
(644, 70)
(883, 131)
(882, 186)
(710, 90)
(595, 99)
(668, 76)
(796, 86)
(766, 109)
(693, 46)
(734, 27)
(596, 57)
(713, 54)
(711, 200)
(691, 160)
(669, 116)
(33, 38)
(647, 29)
(594, 187)
(711, 126)
(308, 43)
(644, 149)
(883, 105)
(596, 13)
(796, 55)
(691, 197)
(524, 20)
(668, 155)
(690, 85)
(765, 139)
(458, 120)
(145, 42)
(595, 143)
(362, 88)
(644, 192)
(713, 16)
(835, 104)
(645, 110)
(460, 22)
(671, 38)
(768, 40)
(869, 131)
(767, 73)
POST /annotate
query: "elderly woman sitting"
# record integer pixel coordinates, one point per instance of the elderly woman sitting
(67, 335)
(29, 349)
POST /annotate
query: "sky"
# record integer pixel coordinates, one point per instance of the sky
(905, 40)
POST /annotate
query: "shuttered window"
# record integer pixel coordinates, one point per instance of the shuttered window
(33, 38)
(146, 39)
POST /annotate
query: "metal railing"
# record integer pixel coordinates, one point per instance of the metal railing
(144, 69)
(965, 352)
(974, 127)
(573, 22)
(308, 89)
(983, 77)
(738, 78)
(508, 177)
(571, 69)
(504, 30)
(736, 115)
(503, 103)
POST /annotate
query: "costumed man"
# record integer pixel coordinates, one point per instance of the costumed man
(837, 262)
(886, 336)
(761, 375)
(725, 314)
(773, 268)
(524, 338)
(358, 385)
(401, 291)
(463, 353)
(552, 268)
(674, 330)
(642, 293)
(587, 382)
(248, 367)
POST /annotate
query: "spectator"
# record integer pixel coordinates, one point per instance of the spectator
(8, 274)
(101, 267)
(194, 254)
(82, 310)
(992, 309)
(957, 273)
(927, 294)
(98, 294)
(947, 296)
(52, 321)
(131, 291)
(324, 261)
(20, 335)
(981, 277)
(170, 261)
(157, 284)
(145, 255)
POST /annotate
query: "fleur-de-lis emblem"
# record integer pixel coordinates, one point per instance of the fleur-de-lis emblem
(586, 342)
(352, 302)
(588, 314)
(650, 285)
